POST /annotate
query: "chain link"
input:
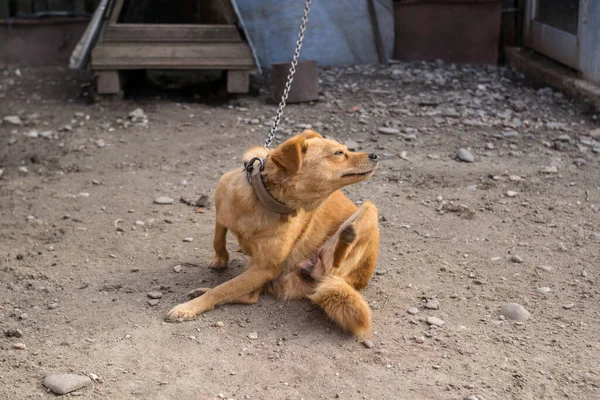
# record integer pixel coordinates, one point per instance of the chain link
(290, 77)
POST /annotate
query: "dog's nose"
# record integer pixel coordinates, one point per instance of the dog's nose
(373, 157)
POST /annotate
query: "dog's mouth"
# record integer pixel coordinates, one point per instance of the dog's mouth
(358, 174)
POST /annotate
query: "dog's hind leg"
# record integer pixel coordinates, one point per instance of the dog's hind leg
(342, 247)
(221, 258)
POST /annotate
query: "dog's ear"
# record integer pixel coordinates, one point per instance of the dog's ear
(289, 154)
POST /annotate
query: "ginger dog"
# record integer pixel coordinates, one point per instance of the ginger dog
(323, 248)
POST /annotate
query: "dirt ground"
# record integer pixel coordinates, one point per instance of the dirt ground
(82, 243)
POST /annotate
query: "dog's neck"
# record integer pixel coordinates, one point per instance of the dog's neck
(281, 187)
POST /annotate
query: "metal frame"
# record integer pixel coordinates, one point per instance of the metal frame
(559, 45)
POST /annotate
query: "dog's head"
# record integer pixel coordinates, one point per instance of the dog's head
(308, 168)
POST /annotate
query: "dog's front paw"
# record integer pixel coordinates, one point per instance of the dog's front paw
(182, 311)
(218, 263)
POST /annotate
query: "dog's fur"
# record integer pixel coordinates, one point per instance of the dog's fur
(325, 250)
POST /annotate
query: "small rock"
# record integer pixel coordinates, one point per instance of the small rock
(66, 383)
(546, 268)
(23, 170)
(562, 138)
(13, 120)
(19, 346)
(514, 178)
(464, 155)
(136, 114)
(220, 324)
(544, 290)
(388, 131)
(568, 306)
(100, 143)
(253, 335)
(435, 321)
(140, 223)
(188, 239)
(472, 188)
(516, 259)
(203, 201)
(595, 133)
(52, 306)
(579, 162)
(177, 268)
(511, 193)
(32, 134)
(490, 146)
(553, 169)
(432, 304)
(352, 145)
(367, 343)
(420, 339)
(153, 302)
(413, 311)
(13, 333)
(515, 312)
(155, 294)
(510, 134)
(163, 200)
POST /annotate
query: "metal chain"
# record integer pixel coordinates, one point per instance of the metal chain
(290, 77)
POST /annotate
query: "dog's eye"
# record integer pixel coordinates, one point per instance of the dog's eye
(339, 153)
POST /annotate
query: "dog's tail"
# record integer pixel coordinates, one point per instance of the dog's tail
(344, 305)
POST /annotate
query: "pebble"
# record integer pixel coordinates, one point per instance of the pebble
(13, 333)
(420, 339)
(544, 289)
(220, 324)
(490, 146)
(188, 239)
(253, 335)
(140, 223)
(510, 134)
(100, 143)
(177, 268)
(511, 193)
(352, 145)
(435, 321)
(66, 383)
(138, 113)
(464, 155)
(553, 169)
(516, 259)
(153, 302)
(514, 178)
(155, 294)
(19, 346)
(388, 131)
(367, 343)
(432, 304)
(579, 162)
(52, 306)
(568, 306)
(163, 200)
(13, 120)
(515, 312)
(413, 311)
(546, 268)
(562, 138)
(595, 133)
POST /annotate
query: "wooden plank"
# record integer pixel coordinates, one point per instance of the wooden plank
(124, 55)
(171, 33)
(24, 7)
(4, 10)
(238, 81)
(114, 16)
(108, 82)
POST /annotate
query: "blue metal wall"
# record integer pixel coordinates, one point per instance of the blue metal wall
(339, 31)
(589, 41)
